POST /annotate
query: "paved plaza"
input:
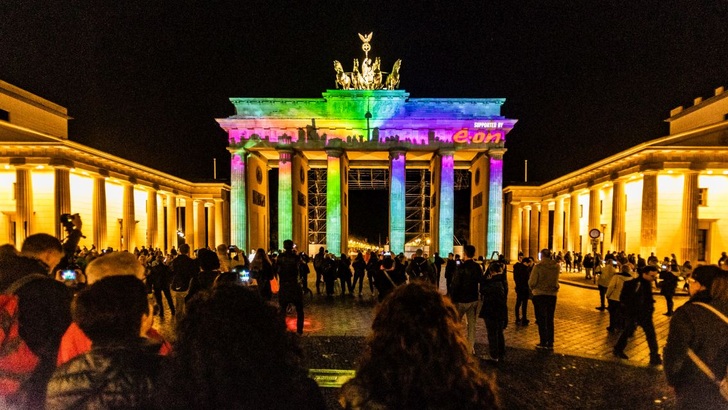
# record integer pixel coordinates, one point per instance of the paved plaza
(580, 329)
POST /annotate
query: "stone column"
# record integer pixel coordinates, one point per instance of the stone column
(648, 237)
(397, 183)
(211, 225)
(334, 197)
(62, 197)
(559, 225)
(23, 204)
(574, 216)
(533, 235)
(238, 202)
(689, 248)
(543, 229)
(128, 217)
(171, 221)
(219, 222)
(99, 212)
(514, 231)
(619, 208)
(285, 195)
(447, 202)
(189, 223)
(594, 215)
(200, 238)
(495, 202)
(152, 222)
(525, 229)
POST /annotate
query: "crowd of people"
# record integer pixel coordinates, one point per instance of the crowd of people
(77, 325)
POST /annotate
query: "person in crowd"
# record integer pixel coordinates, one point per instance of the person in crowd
(121, 369)
(261, 269)
(521, 273)
(290, 289)
(222, 254)
(588, 264)
(359, 266)
(494, 291)
(330, 268)
(209, 270)
(418, 268)
(697, 332)
(450, 265)
(668, 283)
(417, 358)
(611, 267)
(372, 268)
(75, 341)
(318, 267)
(544, 285)
(233, 352)
(184, 268)
(399, 274)
(437, 262)
(344, 273)
(638, 307)
(614, 292)
(465, 285)
(160, 278)
(577, 261)
(303, 269)
(568, 265)
(383, 277)
(685, 271)
(42, 310)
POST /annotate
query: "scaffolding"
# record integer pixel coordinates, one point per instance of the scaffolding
(417, 198)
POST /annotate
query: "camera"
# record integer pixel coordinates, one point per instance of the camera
(232, 249)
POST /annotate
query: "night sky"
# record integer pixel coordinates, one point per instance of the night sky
(585, 79)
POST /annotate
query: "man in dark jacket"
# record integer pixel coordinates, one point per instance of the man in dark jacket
(639, 305)
(521, 273)
(450, 265)
(465, 294)
(290, 291)
(120, 370)
(184, 269)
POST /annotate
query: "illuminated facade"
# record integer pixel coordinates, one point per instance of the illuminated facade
(122, 204)
(668, 195)
(367, 124)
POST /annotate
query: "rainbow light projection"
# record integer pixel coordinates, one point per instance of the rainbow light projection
(285, 198)
(447, 203)
(495, 205)
(238, 203)
(397, 215)
(333, 204)
(364, 121)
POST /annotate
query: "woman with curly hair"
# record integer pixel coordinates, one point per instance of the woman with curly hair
(233, 352)
(417, 358)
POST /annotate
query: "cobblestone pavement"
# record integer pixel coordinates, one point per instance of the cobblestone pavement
(580, 329)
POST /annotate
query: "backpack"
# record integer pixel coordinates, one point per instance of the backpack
(17, 361)
(629, 298)
(721, 384)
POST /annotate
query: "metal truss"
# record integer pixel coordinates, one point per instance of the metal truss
(368, 179)
(417, 204)
(317, 205)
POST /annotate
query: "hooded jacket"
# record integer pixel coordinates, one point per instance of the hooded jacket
(544, 278)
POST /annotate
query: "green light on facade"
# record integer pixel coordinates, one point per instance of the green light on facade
(285, 199)
(333, 205)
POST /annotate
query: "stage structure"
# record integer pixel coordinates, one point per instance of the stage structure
(366, 123)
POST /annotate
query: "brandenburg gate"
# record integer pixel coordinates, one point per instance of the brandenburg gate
(366, 122)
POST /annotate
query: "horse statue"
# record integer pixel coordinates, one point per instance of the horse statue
(342, 79)
(357, 80)
(393, 77)
(377, 80)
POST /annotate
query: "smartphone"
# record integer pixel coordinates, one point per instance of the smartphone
(244, 276)
(68, 274)
(614, 263)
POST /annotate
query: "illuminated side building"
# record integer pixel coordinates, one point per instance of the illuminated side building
(668, 195)
(367, 124)
(122, 204)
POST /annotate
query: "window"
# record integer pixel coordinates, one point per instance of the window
(702, 196)
(4, 115)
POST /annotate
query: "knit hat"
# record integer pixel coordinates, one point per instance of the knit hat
(705, 274)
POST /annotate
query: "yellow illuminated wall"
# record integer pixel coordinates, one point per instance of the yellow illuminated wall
(82, 188)
(43, 200)
(714, 215)
(114, 212)
(7, 204)
(633, 215)
(669, 214)
(140, 214)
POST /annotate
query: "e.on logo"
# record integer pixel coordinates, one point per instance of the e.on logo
(464, 137)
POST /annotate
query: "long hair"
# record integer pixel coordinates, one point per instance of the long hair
(260, 260)
(232, 351)
(417, 357)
